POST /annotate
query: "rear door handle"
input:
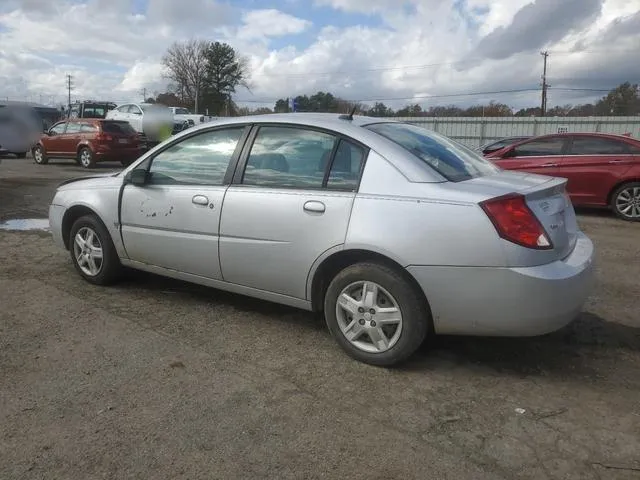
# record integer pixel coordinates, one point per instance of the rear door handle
(616, 161)
(314, 206)
(549, 165)
(200, 200)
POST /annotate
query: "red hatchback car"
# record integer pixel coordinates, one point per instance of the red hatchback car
(88, 141)
(602, 169)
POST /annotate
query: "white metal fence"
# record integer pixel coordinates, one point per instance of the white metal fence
(476, 131)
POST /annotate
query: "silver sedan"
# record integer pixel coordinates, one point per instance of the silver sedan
(393, 231)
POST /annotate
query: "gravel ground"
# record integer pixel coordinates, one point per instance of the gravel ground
(155, 378)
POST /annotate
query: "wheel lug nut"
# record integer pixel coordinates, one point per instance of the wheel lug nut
(372, 311)
(361, 321)
(361, 310)
(373, 324)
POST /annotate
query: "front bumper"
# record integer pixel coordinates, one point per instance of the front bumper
(515, 302)
(56, 214)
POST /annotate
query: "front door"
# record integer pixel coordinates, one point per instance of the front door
(172, 221)
(70, 139)
(541, 155)
(54, 141)
(291, 203)
(594, 165)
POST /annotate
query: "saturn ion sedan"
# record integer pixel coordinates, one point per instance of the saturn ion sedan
(393, 231)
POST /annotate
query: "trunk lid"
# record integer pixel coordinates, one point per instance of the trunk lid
(545, 196)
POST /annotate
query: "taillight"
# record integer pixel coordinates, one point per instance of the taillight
(515, 221)
(104, 137)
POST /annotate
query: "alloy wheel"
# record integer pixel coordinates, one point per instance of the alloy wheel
(628, 202)
(369, 317)
(87, 251)
(85, 158)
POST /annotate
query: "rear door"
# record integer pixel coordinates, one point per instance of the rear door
(593, 166)
(290, 202)
(541, 155)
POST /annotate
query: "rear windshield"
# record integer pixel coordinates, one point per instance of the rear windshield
(450, 159)
(123, 128)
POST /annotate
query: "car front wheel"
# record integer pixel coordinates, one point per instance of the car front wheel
(625, 202)
(92, 251)
(375, 314)
(39, 155)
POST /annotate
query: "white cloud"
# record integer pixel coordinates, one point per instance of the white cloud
(425, 48)
(270, 23)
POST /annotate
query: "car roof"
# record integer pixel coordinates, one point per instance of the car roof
(332, 121)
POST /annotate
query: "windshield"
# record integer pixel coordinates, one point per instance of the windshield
(182, 111)
(450, 159)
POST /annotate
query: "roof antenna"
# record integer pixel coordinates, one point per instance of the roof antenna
(350, 115)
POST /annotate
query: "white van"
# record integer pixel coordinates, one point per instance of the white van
(20, 127)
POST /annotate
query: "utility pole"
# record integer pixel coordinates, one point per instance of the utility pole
(69, 87)
(144, 94)
(545, 85)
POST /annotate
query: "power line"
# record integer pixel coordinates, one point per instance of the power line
(452, 95)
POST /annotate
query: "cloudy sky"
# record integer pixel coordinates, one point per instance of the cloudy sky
(433, 52)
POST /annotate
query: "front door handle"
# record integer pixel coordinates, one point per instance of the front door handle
(549, 165)
(314, 206)
(616, 161)
(200, 200)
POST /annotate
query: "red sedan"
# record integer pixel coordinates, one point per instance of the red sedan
(602, 170)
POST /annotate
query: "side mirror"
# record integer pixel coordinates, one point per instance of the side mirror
(137, 177)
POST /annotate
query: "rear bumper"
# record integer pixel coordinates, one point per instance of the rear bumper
(508, 301)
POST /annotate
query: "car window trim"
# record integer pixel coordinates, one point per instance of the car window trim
(242, 162)
(232, 162)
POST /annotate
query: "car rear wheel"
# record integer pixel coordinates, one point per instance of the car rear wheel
(39, 155)
(625, 202)
(375, 314)
(86, 158)
(92, 251)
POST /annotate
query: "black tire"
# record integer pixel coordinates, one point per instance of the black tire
(617, 207)
(110, 268)
(39, 155)
(21, 154)
(86, 158)
(416, 318)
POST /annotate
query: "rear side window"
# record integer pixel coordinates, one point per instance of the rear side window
(88, 128)
(73, 127)
(346, 167)
(597, 146)
(122, 128)
(540, 148)
(450, 159)
(288, 157)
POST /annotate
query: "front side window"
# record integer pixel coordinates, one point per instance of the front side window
(58, 128)
(288, 157)
(123, 109)
(540, 148)
(73, 127)
(135, 110)
(450, 159)
(597, 146)
(199, 160)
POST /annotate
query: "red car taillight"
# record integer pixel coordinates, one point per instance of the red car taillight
(515, 221)
(104, 138)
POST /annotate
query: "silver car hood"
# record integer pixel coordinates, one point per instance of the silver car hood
(90, 181)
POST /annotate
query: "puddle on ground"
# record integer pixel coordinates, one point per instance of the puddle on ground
(24, 224)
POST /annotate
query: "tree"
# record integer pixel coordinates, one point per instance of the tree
(622, 100)
(186, 65)
(281, 106)
(150, 100)
(224, 71)
(410, 111)
(379, 110)
(170, 99)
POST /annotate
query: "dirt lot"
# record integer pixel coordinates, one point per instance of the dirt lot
(155, 378)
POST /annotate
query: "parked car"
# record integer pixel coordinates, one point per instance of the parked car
(154, 121)
(184, 115)
(496, 145)
(393, 231)
(90, 109)
(20, 128)
(602, 170)
(89, 141)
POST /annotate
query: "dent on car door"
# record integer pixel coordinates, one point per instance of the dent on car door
(290, 203)
(540, 155)
(593, 166)
(172, 220)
